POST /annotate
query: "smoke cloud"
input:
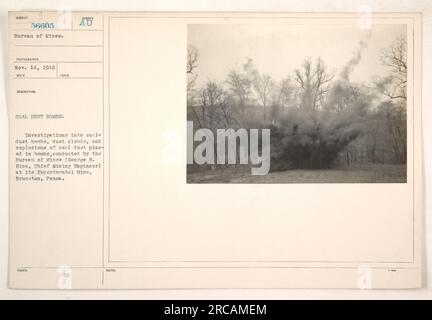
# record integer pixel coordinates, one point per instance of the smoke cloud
(354, 61)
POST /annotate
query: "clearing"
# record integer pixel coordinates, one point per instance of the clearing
(365, 173)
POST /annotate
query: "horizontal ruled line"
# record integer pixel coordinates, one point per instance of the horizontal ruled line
(57, 62)
(59, 78)
(224, 267)
(55, 45)
(58, 30)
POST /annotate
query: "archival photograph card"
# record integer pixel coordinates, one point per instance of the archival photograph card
(215, 150)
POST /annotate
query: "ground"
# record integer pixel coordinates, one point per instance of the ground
(367, 173)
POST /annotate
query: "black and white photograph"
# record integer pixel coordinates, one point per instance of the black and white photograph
(297, 103)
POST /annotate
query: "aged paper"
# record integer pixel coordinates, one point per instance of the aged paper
(215, 150)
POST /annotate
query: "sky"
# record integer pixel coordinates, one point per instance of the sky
(277, 50)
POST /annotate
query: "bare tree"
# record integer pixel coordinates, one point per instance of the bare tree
(283, 94)
(191, 65)
(226, 110)
(262, 84)
(281, 97)
(240, 86)
(313, 82)
(394, 86)
(213, 98)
